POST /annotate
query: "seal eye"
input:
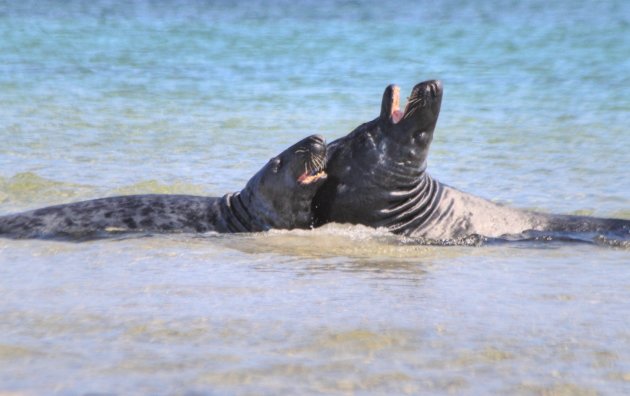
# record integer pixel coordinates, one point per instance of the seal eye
(275, 163)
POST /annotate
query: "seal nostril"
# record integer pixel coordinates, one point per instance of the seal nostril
(434, 89)
(437, 86)
(317, 139)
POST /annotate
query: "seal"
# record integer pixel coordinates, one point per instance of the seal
(377, 177)
(278, 196)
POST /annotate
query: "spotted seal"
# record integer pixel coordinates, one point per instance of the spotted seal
(278, 196)
(377, 177)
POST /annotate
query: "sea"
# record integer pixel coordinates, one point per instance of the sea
(103, 97)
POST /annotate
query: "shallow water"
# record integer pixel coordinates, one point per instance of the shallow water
(176, 97)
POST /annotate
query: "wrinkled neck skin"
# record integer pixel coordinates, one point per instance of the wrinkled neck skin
(251, 210)
(376, 180)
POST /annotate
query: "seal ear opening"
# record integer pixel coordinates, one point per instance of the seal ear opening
(276, 164)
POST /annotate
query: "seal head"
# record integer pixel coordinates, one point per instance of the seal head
(380, 165)
(281, 193)
(408, 134)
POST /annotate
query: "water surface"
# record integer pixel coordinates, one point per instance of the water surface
(100, 99)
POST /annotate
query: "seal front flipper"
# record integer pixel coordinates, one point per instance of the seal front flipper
(573, 223)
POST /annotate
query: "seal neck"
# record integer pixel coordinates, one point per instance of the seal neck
(237, 215)
(412, 208)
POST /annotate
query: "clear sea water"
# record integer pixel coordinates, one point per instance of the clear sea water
(104, 98)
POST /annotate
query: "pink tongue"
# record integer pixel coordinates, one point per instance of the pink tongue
(302, 177)
(397, 115)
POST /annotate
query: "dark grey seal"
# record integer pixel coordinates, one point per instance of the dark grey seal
(278, 196)
(377, 177)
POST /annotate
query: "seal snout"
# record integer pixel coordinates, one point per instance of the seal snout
(427, 89)
(317, 140)
(317, 145)
(422, 94)
(425, 94)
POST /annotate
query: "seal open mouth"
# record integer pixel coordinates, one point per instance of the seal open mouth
(396, 115)
(313, 170)
(309, 177)
(418, 98)
(316, 162)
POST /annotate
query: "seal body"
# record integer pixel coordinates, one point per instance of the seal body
(278, 196)
(377, 177)
(149, 213)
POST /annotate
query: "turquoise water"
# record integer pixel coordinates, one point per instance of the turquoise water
(104, 98)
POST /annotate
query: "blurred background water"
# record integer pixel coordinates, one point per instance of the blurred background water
(103, 98)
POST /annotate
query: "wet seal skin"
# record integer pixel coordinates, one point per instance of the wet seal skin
(278, 196)
(377, 177)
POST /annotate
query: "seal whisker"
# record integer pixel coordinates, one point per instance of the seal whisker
(320, 162)
(410, 111)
